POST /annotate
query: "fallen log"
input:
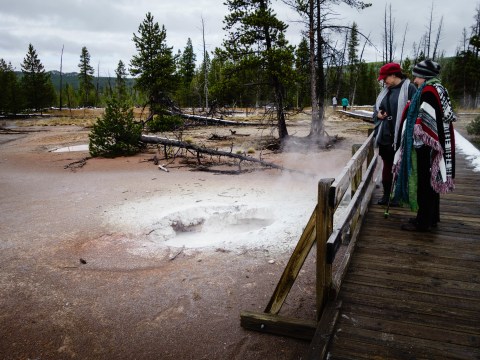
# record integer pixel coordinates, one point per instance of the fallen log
(213, 121)
(150, 139)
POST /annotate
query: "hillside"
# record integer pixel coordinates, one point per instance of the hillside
(72, 79)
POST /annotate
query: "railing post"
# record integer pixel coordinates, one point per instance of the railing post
(324, 227)
(357, 177)
(371, 148)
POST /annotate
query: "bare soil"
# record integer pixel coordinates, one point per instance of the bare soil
(82, 278)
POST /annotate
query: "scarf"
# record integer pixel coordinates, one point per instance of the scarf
(424, 130)
(405, 188)
(401, 102)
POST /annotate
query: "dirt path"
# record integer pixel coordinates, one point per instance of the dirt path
(121, 260)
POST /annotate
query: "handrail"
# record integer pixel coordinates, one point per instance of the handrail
(330, 196)
(320, 229)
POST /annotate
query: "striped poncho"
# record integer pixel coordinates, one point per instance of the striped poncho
(429, 121)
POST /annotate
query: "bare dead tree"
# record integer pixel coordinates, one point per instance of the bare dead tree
(476, 31)
(342, 63)
(358, 72)
(385, 36)
(428, 37)
(97, 84)
(61, 78)
(388, 35)
(403, 43)
(316, 116)
(464, 39)
(391, 38)
(205, 86)
(150, 139)
(317, 13)
(437, 39)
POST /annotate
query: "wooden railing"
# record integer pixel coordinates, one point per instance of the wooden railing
(320, 229)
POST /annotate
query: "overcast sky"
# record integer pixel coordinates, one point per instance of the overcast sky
(106, 27)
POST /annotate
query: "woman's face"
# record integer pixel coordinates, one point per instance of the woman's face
(418, 81)
(392, 80)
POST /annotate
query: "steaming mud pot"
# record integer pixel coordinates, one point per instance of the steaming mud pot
(227, 217)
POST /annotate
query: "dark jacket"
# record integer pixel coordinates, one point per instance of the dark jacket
(390, 105)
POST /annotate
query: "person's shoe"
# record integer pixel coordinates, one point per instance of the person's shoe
(394, 203)
(414, 227)
(383, 201)
(413, 221)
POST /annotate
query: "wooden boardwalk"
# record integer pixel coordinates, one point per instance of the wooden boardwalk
(414, 295)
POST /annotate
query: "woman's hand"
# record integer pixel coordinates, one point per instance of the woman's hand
(382, 114)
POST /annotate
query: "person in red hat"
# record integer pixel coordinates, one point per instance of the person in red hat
(387, 113)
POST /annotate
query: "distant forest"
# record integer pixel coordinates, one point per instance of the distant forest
(246, 71)
(73, 80)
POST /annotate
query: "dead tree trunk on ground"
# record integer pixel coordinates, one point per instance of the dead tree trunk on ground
(198, 149)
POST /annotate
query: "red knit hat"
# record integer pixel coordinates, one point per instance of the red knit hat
(389, 69)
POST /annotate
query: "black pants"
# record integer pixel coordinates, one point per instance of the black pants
(428, 200)
(387, 154)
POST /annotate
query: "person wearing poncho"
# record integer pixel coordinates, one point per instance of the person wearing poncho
(425, 161)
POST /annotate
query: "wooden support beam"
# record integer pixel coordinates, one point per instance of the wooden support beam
(293, 267)
(324, 332)
(278, 325)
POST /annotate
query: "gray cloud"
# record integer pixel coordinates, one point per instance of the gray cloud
(106, 27)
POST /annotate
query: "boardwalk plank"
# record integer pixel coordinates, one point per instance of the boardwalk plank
(414, 295)
(359, 343)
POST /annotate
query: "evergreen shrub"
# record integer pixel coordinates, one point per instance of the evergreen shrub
(163, 122)
(116, 133)
(474, 127)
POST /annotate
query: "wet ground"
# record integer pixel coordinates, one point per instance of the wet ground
(117, 259)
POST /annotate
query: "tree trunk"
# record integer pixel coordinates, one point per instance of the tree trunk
(278, 88)
(318, 76)
(61, 79)
(205, 65)
(149, 139)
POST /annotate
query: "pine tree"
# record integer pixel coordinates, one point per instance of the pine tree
(353, 61)
(116, 133)
(224, 87)
(462, 76)
(256, 40)
(36, 83)
(204, 81)
(186, 71)
(154, 66)
(85, 76)
(10, 96)
(121, 83)
(187, 63)
(302, 73)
